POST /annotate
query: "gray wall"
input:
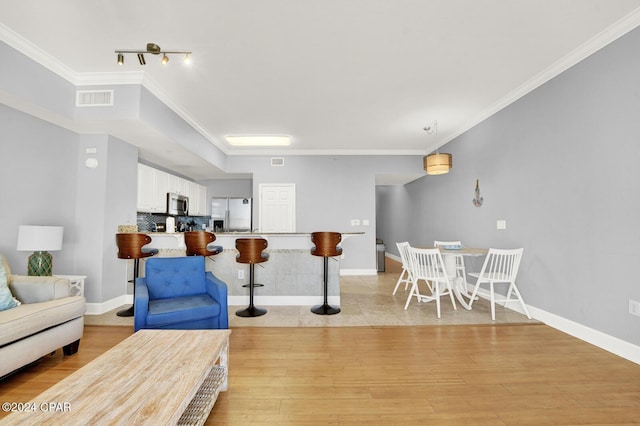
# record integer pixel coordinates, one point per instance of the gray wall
(44, 182)
(561, 167)
(330, 191)
(106, 199)
(38, 185)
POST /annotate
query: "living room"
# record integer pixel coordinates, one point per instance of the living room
(559, 165)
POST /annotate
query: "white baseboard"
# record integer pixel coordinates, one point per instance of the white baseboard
(109, 305)
(597, 338)
(394, 257)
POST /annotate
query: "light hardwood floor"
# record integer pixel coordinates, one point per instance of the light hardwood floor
(523, 373)
(526, 374)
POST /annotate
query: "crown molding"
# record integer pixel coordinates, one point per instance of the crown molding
(32, 51)
(588, 48)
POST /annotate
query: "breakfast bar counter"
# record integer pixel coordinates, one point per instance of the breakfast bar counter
(291, 276)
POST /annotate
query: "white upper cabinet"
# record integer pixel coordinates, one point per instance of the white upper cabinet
(145, 188)
(153, 186)
(176, 185)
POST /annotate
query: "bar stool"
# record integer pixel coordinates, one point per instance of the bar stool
(199, 243)
(326, 245)
(130, 246)
(250, 252)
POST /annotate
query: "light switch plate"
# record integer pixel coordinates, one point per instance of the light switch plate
(501, 224)
(355, 222)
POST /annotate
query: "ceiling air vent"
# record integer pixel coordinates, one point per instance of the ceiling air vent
(277, 161)
(86, 98)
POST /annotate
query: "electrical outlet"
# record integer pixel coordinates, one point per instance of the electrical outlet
(241, 274)
(634, 307)
(355, 222)
(501, 224)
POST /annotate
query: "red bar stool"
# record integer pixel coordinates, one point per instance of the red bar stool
(250, 252)
(326, 245)
(130, 246)
(199, 243)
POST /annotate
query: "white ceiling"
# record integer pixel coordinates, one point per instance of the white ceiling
(339, 76)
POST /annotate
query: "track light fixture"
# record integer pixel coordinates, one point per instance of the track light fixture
(153, 49)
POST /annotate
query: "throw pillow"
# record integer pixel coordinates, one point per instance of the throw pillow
(6, 298)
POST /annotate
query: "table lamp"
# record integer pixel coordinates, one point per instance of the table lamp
(40, 240)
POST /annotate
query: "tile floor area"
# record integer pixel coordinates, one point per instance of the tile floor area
(365, 301)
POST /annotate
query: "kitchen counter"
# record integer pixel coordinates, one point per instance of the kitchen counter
(291, 276)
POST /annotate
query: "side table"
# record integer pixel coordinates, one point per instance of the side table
(77, 283)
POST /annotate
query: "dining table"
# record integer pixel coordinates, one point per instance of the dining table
(459, 287)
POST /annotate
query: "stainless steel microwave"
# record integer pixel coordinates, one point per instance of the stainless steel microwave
(177, 205)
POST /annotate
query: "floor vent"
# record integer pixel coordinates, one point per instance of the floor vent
(86, 98)
(277, 161)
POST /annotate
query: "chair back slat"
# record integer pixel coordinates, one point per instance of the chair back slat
(426, 264)
(502, 264)
(403, 248)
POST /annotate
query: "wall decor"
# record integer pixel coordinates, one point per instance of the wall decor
(477, 200)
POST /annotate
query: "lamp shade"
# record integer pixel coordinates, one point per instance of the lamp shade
(40, 238)
(438, 164)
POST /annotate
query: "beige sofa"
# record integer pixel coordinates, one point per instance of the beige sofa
(48, 318)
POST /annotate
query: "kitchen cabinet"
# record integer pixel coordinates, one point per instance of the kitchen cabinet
(152, 190)
(154, 184)
(160, 183)
(203, 200)
(145, 188)
(197, 199)
(176, 185)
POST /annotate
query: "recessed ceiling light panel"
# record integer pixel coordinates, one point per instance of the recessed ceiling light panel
(258, 140)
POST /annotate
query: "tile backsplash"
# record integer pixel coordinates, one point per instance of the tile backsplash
(147, 222)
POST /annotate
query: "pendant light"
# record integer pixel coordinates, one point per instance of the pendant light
(437, 163)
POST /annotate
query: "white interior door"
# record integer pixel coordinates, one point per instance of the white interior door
(277, 207)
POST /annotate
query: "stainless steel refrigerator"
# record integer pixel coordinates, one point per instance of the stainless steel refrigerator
(231, 214)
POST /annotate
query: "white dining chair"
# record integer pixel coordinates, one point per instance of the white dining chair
(500, 267)
(404, 275)
(460, 269)
(427, 265)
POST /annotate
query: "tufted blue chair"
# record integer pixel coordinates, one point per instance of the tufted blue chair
(177, 293)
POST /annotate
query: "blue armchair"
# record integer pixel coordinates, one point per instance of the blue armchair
(177, 293)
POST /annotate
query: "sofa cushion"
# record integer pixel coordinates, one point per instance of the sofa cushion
(31, 318)
(7, 301)
(182, 309)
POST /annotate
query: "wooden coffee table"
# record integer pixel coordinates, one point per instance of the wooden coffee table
(153, 377)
